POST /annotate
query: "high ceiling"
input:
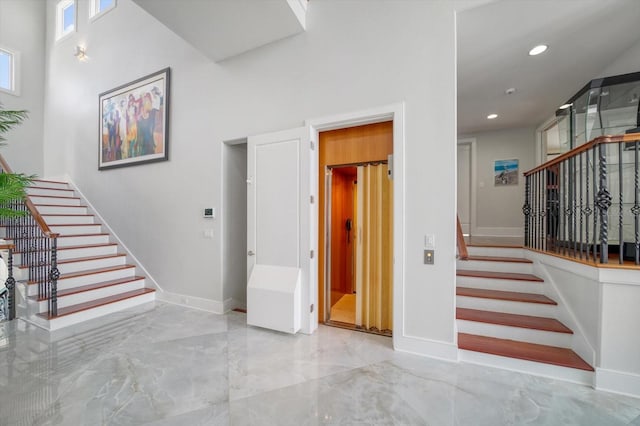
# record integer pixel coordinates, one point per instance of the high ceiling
(494, 38)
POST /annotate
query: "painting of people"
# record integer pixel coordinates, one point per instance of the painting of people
(134, 122)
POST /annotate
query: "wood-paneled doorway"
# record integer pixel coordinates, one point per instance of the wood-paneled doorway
(355, 216)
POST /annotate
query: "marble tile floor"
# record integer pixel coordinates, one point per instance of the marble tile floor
(161, 364)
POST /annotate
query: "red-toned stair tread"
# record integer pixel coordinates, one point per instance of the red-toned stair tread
(498, 259)
(95, 303)
(512, 320)
(53, 196)
(562, 357)
(82, 259)
(498, 275)
(49, 188)
(104, 284)
(512, 296)
(50, 181)
(89, 272)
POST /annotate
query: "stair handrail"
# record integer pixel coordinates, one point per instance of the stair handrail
(572, 200)
(463, 254)
(38, 251)
(32, 209)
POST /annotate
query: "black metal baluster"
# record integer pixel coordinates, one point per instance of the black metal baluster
(53, 277)
(620, 210)
(561, 207)
(580, 207)
(535, 210)
(574, 206)
(11, 288)
(604, 202)
(595, 206)
(636, 207)
(587, 210)
(526, 210)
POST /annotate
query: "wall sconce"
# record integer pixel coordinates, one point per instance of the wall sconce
(80, 53)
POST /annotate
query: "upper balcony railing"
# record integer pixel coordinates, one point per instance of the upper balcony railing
(585, 204)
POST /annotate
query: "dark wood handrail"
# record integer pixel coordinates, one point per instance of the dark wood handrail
(462, 246)
(32, 209)
(585, 147)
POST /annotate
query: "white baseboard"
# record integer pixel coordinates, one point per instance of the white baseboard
(618, 382)
(208, 305)
(486, 231)
(427, 348)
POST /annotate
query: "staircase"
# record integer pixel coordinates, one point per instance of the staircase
(95, 277)
(505, 320)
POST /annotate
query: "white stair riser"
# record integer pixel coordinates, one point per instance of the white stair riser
(76, 230)
(496, 251)
(47, 192)
(99, 311)
(507, 306)
(540, 337)
(87, 296)
(52, 200)
(82, 240)
(71, 220)
(66, 268)
(57, 185)
(536, 368)
(504, 285)
(478, 265)
(55, 209)
(68, 283)
(74, 253)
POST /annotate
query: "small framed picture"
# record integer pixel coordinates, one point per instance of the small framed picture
(134, 122)
(505, 172)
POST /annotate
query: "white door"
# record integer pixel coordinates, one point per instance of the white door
(278, 205)
(464, 186)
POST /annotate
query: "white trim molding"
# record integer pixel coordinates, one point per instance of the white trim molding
(618, 382)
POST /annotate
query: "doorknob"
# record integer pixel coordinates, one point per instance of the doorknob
(251, 253)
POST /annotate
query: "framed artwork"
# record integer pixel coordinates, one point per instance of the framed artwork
(505, 172)
(134, 122)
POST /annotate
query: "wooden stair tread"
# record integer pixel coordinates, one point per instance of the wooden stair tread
(50, 181)
(513, 296)
(81, 289)
(74, 224)
(89, 272)
(58, 205)
(498, 259)
(99, 234)
(495, 245)
(498, 275)
(50, 188)
(53, 196)
(82, 246)
(95, 303)
(67, 214)
(562, 357)
(82, 259)
(512, 320)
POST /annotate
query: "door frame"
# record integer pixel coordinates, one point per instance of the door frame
(473, 202)
(395, 113)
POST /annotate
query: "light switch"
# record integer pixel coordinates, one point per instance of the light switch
(430, 241)
(429, 257)
(207, 233)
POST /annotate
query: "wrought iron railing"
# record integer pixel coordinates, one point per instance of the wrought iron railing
(585, 204)
(37, 246)
(8, 288)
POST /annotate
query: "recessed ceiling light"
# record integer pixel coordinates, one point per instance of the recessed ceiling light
(510, 91)
(492, 116)
(538, 49)
(565, 106)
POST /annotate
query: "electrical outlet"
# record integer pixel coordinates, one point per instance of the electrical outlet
(429, 257)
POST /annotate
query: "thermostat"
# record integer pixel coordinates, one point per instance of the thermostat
(209, 213)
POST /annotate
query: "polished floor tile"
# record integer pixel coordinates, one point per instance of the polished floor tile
(161, 364)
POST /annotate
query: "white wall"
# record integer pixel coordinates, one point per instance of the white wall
(22, 28)
(355, 55)
(626, 63)
(499, 208)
